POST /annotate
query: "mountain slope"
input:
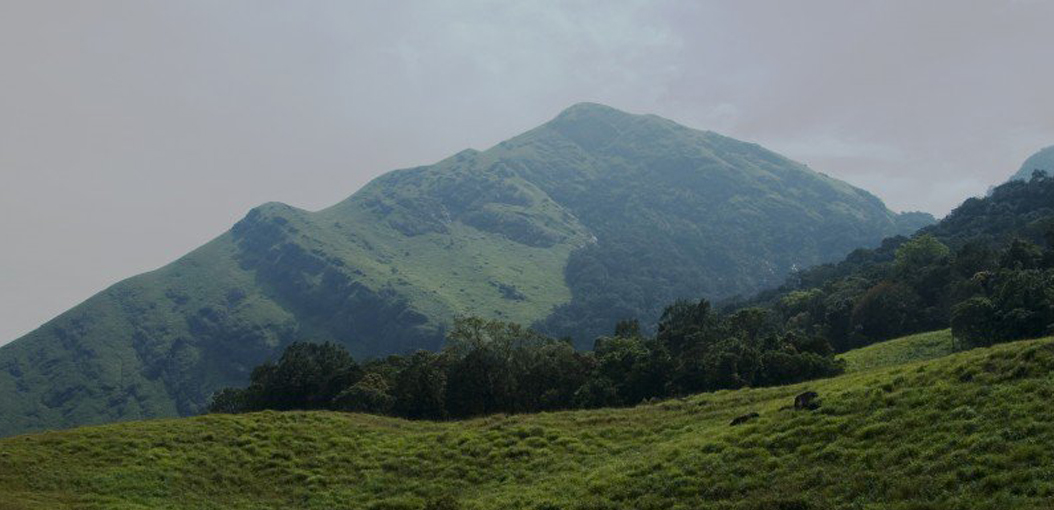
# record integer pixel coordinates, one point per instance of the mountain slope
(1042, 160)
(596, 216)
(998, 248)
(965, 431)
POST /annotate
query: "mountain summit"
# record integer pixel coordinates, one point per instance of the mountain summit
(595, 216)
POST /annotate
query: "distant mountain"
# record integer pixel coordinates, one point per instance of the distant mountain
(595, 216)
(1042, 160)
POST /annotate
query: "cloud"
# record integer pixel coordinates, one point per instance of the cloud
(832, 146)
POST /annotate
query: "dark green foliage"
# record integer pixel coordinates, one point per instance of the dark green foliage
(1016, 304)
(974, 320)
(980, 271)
(713, 352)
(919, 253)
(1021, 254)
(658, 199)
(371, 394)
(491, 367)
(1016, 209)
(973, 258)
(886, 310)
(420, 387)
(307, 376)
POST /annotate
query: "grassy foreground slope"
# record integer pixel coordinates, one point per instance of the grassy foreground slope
(969, 430)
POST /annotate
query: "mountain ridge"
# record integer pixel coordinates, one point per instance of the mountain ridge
(593, 217)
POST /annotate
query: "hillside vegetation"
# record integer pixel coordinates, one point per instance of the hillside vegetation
(969, 430)
(591, 218)
(986, 270)
(996, 285)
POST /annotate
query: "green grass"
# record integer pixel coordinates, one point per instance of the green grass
(923, 346)
(968, 430)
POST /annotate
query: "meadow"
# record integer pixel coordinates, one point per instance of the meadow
(969, 429)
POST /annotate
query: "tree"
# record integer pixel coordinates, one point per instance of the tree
(754, 324)
(627, 328)
(618, 358)
(1024, 301)
(371, 394)
(685, 326)
(307, 376)
(809, 343)
(420, 387)
(730, 364)
(782, 367)
(597, 392)
(228, 400)
(974, 322)
(552, 375)
(1021, 254)
(974, 257)
(919, 252)
(480, 382)
(885, 311)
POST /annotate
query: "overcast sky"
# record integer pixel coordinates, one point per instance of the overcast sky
(133, 131)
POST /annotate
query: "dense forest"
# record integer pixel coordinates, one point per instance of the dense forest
(981, 270)
(986, 270)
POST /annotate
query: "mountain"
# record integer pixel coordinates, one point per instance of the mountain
(966, 430)
(1042, 160)
(593, 217)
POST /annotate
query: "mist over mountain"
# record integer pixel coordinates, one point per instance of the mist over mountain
(1042, 161)
(595, 216)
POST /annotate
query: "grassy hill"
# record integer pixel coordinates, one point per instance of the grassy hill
(968, 430)
(594, 217)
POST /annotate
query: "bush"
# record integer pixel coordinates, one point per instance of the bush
(369, 395)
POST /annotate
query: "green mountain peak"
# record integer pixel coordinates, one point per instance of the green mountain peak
(595, 216)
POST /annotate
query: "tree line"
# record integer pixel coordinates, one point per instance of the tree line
(490, 366)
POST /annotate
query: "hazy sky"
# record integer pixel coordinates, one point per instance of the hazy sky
(133, 131)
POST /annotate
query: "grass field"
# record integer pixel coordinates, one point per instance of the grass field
(967, 430)
(923, 346)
